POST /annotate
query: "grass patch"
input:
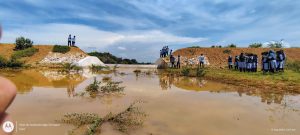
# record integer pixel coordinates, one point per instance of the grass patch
(111, 87)
(11, 63)
(96, 68)
(288, 80)
(93, 87)
(227, 51)
(294, 66)
(97, 88)
(130, 118)
(187, 71)
(61, 49)
(69, 67)
(24, 53)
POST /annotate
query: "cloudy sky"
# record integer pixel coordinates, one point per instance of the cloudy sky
(139, 28)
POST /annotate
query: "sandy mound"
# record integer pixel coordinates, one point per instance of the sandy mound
(217, 56)
(89, 61)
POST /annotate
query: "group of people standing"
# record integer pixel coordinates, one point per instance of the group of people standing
(164, 52)
(173, 60)
(271, 61)
(71, 41)
(244, 62)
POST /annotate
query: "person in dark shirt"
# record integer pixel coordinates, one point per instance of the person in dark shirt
(69, 40)
(236, 62)
(172, 60)
(178, 62)
(242, 63)
(230, 62)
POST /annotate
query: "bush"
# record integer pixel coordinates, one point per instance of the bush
(69, 67)
(227, 51)
(185, 71)
(294, 66)
(275, 45)
(231, 46)
(200, 72)
(14, 63)
(23, 43)
(61, 49)
(3, 62)
(112, 87)
(25, 53)
(194, 47)
(98, 68)
(255, 45)
(94, 87)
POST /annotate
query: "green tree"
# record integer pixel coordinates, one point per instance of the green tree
(23, 43)
(275, 45)
(255, 45)
(231, 46)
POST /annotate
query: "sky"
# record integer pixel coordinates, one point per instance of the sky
(140, 28)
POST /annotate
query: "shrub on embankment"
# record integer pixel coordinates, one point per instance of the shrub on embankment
(294, 66)
(61, 49)
(11, 63)
(23, 43)
(24, 53)
(187, 71)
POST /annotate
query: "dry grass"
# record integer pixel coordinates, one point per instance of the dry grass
(131, 118)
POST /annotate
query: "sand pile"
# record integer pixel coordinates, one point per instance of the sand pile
(89, 61)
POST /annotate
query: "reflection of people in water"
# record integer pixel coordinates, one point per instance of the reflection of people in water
(7, 95)
(163, 82)
(267, 96)
(71, 89)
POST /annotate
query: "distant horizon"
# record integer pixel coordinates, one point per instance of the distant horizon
(138, 29)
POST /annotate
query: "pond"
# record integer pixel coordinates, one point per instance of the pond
(174, 105)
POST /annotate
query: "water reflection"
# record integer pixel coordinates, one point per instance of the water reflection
(25, 80)
(166, 81)
(268, 96)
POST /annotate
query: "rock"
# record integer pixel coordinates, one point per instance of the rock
(57, 58)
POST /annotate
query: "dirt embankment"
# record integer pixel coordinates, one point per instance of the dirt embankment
(6, 50)
(217, 57)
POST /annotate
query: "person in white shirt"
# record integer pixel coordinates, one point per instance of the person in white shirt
(73, 41)
(69, 40)
(201, 60)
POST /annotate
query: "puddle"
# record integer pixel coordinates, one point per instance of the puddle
(175, 105)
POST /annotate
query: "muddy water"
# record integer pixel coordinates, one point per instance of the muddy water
(175, 105)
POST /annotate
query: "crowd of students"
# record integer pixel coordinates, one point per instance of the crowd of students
(164, 52)
(71, 41)
(271, 62)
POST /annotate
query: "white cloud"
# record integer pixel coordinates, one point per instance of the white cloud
(121, 48)
(88, 36)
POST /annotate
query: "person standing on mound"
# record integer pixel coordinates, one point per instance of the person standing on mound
(70, 40)
(73, 41)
